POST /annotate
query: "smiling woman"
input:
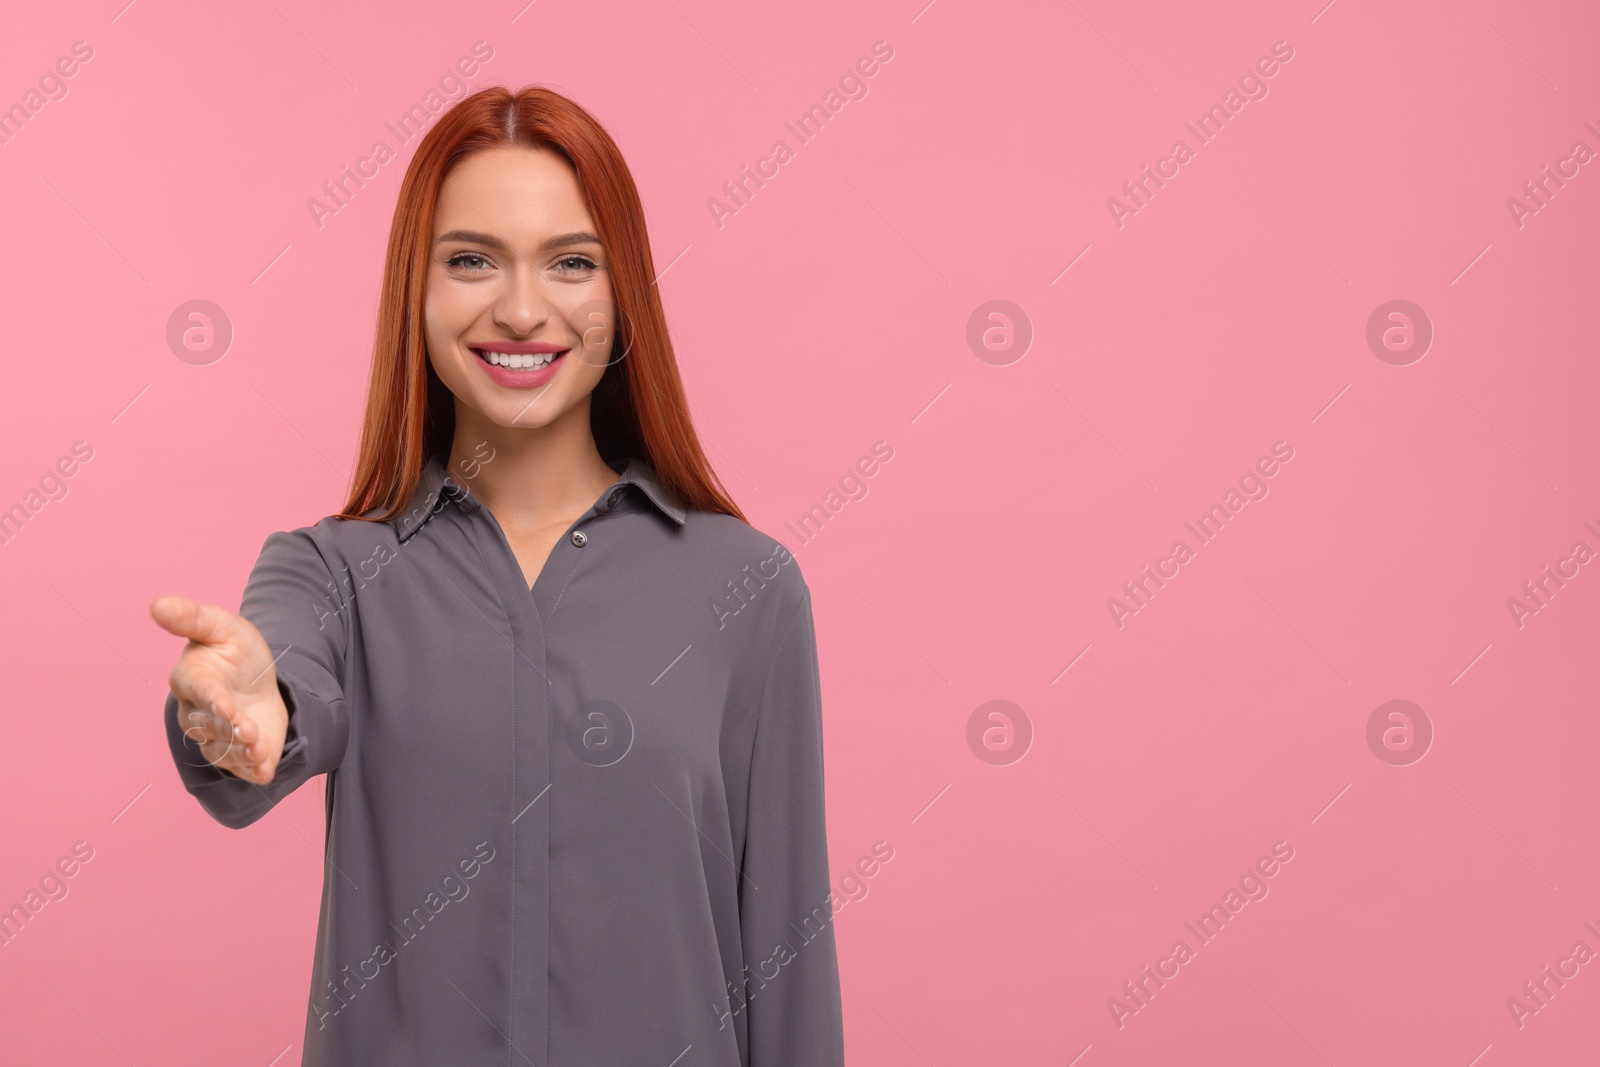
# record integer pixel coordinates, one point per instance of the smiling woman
(519, 363)
(534, 670)
(499, 321)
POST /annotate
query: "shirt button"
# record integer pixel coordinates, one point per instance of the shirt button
(615, 495)
(580, 538)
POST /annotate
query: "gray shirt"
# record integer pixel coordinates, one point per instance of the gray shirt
(579, 825)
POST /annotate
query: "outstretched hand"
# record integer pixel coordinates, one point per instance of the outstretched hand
(227, 688)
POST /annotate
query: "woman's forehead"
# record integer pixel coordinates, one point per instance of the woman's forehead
(533, 189)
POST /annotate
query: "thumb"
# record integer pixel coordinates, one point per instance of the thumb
(206, 624)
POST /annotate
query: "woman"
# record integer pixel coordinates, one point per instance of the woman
(566, 698)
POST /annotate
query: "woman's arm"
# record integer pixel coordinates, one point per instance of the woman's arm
(256, 706)
(793, 1012)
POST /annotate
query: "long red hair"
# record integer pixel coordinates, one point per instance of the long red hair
(638, 408)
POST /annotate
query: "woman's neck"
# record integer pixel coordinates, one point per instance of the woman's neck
(529, 476)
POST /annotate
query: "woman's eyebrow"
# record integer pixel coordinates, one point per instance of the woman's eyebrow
(491, 241)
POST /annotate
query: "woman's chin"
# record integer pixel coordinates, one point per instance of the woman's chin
(531, 411)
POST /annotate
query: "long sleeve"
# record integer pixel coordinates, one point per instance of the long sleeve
(794, 1013)
(290, 599)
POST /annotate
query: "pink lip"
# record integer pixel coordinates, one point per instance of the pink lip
(519, 379)
(518, 348)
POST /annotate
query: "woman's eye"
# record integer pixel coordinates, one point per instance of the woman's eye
(582, 263)
(460, 258)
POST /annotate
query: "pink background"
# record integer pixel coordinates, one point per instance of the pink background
(831, 312)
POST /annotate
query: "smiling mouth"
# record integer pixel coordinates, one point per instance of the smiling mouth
(519, 361)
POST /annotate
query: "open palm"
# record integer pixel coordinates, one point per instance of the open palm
(227, 688)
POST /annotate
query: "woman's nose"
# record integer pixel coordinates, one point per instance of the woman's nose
(522, 305)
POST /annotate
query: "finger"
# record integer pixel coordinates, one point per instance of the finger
(201, 725)
(238, 728)
(202, 722)
(230, 752)
(223, 743)
(206, 624)
(220, 749)
(216, 735)
(259, 771)
(197, 687)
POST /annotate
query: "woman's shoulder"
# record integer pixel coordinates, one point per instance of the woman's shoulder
(744, 554)
(331, 541)
(751, 580)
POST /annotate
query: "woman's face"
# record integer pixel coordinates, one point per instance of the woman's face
(518, 305)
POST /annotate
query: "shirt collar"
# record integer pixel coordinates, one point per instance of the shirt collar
(437, 487)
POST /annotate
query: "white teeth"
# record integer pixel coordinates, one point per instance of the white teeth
(521, 362)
